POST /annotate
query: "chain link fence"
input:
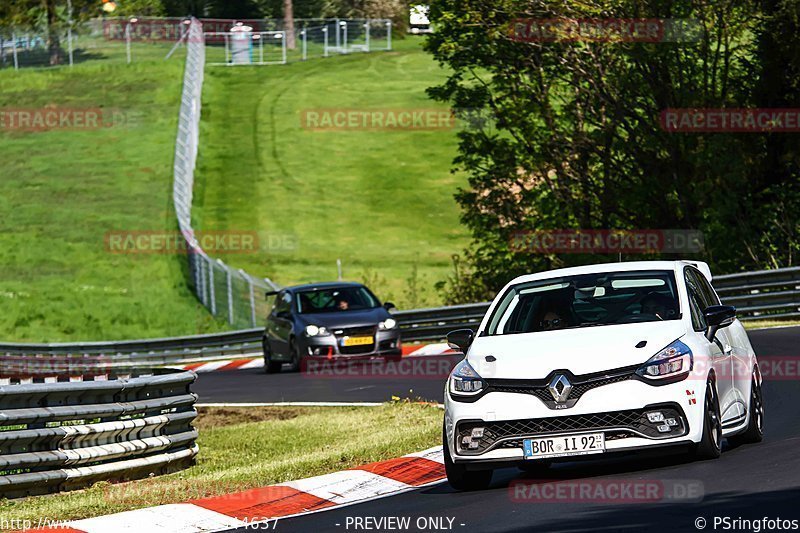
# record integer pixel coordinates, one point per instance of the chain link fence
(228, 293)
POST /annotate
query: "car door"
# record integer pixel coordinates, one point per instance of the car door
(720, 349)
(279, 325)
(737, 351)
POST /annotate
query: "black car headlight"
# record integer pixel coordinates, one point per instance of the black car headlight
(673, 362)
(465, 381)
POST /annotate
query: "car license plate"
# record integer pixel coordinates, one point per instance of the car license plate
(356, 341)
(564, 446)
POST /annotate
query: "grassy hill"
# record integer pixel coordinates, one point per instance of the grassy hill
(380, 200)
(62, 191)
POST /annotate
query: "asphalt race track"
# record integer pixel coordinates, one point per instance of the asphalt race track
(414, 377)
(750, 482)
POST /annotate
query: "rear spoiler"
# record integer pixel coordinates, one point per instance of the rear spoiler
(702, 267)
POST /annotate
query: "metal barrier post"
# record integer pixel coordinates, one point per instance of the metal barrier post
(389, 35)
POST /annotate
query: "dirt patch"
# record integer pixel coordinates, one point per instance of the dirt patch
(209, 417)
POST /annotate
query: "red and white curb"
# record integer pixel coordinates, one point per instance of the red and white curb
(410, 350)
(314, 494)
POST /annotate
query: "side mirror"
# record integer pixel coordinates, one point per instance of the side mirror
(389, 305)
(285, 315)
(460, 339)
(718, 316)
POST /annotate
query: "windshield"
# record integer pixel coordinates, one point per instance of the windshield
(586, 300)
(337, 299)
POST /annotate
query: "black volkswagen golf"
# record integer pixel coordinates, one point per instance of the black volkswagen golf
(328, 320)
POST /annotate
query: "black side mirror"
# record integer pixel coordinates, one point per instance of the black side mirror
(284, 314)
(460, 339)
(718, 316)
(389, 305)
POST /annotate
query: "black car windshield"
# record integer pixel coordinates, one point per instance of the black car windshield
(335, 300)
(586, 300)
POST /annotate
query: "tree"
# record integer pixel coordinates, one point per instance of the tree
(576, 140)
(288, 24)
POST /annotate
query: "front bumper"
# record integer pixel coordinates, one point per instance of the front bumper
(385, 343)
(617, 409)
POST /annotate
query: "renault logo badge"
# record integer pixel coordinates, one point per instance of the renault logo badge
(560, 387)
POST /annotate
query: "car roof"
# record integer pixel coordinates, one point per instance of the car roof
(624, 266)
(322, 286)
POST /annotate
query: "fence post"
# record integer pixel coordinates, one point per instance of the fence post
(283, 47)
(229, 282)
(305, 44)
(325, 41)
(69, 30)
(249, 280)
(366, 27)
(212, 292)
(388, 34)
(14, 50)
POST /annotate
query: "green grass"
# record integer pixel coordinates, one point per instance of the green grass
(62, 191)
(766, 323)
(381, 201)
(255, 447)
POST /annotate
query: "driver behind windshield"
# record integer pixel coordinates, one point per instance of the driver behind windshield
(659, 305)
(554, 314)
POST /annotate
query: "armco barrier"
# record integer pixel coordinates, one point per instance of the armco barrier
(61, 435)
(772, 294)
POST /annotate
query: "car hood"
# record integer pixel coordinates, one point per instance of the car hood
(347, 319)
(581, 350)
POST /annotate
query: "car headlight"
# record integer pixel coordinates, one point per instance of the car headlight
(465, 381)
(674, 361)
(389, 323)
(316, 331)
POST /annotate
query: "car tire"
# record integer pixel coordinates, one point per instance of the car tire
(710, 446)
(755, 424)
(270, 366)
(459, 477)
(297, 359)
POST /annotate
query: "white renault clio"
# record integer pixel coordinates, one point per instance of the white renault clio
(595, 360)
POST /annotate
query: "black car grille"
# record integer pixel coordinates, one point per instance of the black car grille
(508, 434)
(580, 385)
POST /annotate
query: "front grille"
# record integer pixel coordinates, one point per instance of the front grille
(355, 332)
(510, 433)
(580, 385)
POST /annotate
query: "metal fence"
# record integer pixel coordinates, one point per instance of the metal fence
(134, 39)
(62, 435)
